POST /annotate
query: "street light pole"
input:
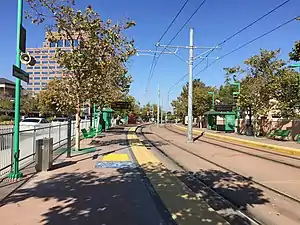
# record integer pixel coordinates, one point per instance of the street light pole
(236, 95)
(190, 92)
(190, 62)
(15, 173)
(158, 102)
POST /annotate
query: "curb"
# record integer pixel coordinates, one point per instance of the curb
(276, 148)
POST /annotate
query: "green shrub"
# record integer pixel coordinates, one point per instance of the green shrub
(5, 118)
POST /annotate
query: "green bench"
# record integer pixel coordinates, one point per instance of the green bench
(87, 134)
(280, 133)
(298, 138)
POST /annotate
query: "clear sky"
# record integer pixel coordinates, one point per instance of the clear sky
(215, 21)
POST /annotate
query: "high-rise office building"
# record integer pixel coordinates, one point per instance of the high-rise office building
(46, 67)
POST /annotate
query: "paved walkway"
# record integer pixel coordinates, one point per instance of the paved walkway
(116, 180)
(76, 192)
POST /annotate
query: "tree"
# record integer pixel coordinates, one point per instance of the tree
(269, 86)
(29, 104)
(6, 103)
(52, 100)
(295, 53)
(225, 91)
(201, 100)
(95, 66)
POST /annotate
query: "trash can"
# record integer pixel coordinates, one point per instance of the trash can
(39, 155)
(44, 154)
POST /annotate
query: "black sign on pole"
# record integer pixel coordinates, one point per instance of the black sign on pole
(120, 105)
(23, 39)
(21, 74)
(223, 108)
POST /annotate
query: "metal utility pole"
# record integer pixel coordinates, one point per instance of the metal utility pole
(190, 62)
(158, 102)
(15, 173)
(236, 95)
(190, 94)
(166, 116)
(161, 113)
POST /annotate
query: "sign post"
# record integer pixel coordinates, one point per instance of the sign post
(21, 74)
(15, 173)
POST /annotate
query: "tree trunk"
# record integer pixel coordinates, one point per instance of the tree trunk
(77, 130)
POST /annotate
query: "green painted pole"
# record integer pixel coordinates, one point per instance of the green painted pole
(15, 173)
(213, 99)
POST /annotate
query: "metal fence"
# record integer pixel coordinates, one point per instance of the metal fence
(28, 138)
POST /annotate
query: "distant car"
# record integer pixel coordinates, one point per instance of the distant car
(59, 120)
(31, 123)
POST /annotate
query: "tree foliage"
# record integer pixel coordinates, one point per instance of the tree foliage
(295, 53)
(95, 68)
(202, 101)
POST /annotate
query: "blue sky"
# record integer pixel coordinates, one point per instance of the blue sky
(215, 21)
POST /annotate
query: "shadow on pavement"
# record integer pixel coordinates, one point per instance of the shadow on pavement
(96, 197)
(233, 186)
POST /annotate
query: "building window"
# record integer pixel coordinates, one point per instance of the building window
(37, 51)
(29, 67)
(37, 67)
(44, 78)
(52, 51)
(58, 77)
(44, 83)
(29, 83)
(52, 44)
(68, 50)
(44, 62)
(59, 67)
(36, 78)
(52, 72)
(50, 78)
(60, 43)
(51, 67)
(52, 62)
(67, 43)
(59, 72)
(44, 57)
(37, 57)
(44, 72)
(36, 83)
(44, 67)
(36, 88)
(37, 72)
(75, 43)
(30, 52)
(30, 72)
(29, 89)
(38, 62)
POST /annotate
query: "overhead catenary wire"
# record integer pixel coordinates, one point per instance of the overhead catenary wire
(232, 36)
(154, 61)
(182, 27)
(247, 43)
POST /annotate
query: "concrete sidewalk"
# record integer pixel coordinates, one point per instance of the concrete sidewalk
(77, 192)
(287, 147)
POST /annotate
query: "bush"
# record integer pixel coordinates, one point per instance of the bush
(5, 118)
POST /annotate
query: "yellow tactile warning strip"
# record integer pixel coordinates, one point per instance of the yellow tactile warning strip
(115, 157)
(276, 148)
(185, 207)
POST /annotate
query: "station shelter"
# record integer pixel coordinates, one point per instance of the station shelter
(221, 118)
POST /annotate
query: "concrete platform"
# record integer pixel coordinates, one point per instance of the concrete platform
(286, 147)
(76, 192)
